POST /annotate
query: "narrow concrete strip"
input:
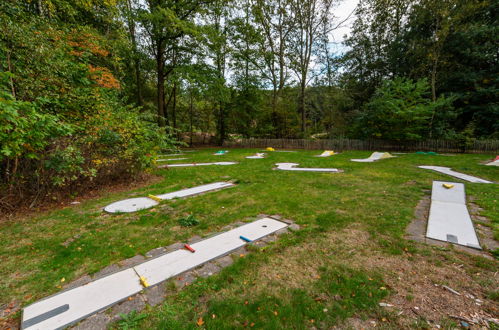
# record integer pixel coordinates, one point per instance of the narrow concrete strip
(82, 301)
(68, 307)
(258, 155)
(449, 219)
(449, 171)
(196, 190)
(141, 203)
(171, 264)
(292, 167)
(196, 164)
(169, 159)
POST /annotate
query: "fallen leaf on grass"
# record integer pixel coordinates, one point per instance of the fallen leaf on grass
(200, 321)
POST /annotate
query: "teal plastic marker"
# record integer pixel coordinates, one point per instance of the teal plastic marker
(245, 238)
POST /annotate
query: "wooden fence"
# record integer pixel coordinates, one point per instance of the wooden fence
(478, 146)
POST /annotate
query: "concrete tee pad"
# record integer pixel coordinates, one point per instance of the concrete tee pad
(449, 220)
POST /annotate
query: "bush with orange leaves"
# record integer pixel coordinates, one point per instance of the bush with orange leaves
(82, 42)
(103, 77)
(66, 127)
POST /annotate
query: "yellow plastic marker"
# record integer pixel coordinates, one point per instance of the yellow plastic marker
(448, 185)
(156, 198)
(144, 282)
(270, 149)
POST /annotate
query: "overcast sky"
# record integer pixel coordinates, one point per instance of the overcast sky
(341, 12)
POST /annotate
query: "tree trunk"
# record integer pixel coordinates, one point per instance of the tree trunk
(160, 68)
(221, 123)
(434, 80)
(433, 92)
(140, 100)
(302, 107)
(174, 107)
(274, 117)
(131, 30)
(190, 118)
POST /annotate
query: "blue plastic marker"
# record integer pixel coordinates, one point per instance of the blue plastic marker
(245, 238)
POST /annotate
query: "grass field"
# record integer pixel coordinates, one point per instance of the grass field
(349, 255)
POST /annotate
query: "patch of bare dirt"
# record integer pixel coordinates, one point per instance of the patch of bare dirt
(434, 287)
(298, 266)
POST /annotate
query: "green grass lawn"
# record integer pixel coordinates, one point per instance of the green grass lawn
(318, 277)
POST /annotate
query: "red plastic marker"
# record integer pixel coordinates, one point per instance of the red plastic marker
(189, 248)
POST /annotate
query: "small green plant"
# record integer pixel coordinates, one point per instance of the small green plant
(188, 221)
(130, 320)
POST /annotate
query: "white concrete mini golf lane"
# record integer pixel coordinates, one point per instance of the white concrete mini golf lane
(495, 162)
(449, 220)
(448, 171)
(292, 167)
(197, 164)
(68, 307)
(168, 265)
(257, 156)
(374, 157)
(326, 153)
(141, 203)
(168, 159)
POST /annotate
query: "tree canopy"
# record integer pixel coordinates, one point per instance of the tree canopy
(94, 89)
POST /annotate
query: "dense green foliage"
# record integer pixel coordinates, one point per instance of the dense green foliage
(452, 44)
(401, 110)
(62, 118)
(86, 84)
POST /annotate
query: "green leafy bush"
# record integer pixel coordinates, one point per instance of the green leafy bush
(63, 122)
(401, 109)
(188, 221)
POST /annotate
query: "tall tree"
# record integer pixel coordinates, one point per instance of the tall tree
(166, 22)
(217, 44)
(275, 22)
(311, 19)
(129, 13)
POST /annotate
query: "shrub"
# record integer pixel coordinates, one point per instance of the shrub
(401, 109)
(63, 124)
